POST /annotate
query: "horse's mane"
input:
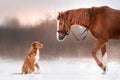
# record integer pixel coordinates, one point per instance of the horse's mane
(76, 16)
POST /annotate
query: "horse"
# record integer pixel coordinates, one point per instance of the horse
(103, 23)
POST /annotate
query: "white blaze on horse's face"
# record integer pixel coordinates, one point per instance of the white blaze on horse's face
(57, 30)
(59, 35)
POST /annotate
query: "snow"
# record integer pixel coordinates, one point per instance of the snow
(60, 69)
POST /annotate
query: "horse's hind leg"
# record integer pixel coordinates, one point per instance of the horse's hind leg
(98, 45)
(104, 55)
(103, 50)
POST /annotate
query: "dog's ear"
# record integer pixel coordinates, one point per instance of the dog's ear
(33, 44)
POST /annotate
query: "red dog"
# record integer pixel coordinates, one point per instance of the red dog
(32, 58)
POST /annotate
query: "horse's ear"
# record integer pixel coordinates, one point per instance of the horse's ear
(59, 13)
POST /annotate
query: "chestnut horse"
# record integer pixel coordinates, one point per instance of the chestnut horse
(103, 23)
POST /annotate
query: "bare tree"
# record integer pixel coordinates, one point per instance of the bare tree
(11, 22)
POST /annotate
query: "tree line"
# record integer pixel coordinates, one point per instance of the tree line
(15, 41)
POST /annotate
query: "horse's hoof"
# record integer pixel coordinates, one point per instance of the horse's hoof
(104, 70)
(103, 73)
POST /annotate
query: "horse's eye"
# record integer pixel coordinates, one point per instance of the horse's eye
(60, 23)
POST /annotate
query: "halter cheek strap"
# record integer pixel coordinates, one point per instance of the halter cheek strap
(64, 32)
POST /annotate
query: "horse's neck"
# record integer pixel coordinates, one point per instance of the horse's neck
(81, 20)
(79, 25)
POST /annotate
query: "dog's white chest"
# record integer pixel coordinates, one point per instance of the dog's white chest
(37, 56)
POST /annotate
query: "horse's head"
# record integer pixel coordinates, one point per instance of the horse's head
(62, 27)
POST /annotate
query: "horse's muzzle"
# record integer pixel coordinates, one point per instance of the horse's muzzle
(61, 37)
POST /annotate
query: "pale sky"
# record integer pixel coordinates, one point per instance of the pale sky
(31, 11)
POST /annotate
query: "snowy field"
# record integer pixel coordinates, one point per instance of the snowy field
(60, 69)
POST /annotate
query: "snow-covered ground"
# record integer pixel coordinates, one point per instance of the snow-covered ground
(60, 69)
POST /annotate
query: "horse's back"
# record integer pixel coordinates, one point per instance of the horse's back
(109, 20)
(113, 21)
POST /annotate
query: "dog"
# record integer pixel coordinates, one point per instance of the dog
(31, 60)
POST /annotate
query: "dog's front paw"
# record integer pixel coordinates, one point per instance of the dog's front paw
(37, 71)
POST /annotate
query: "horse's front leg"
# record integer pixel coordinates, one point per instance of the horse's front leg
(98, 45)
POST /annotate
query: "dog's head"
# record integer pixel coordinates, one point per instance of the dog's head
(36, 45)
